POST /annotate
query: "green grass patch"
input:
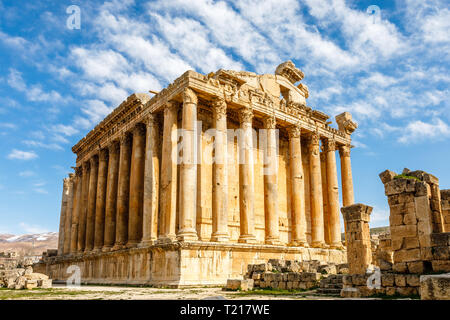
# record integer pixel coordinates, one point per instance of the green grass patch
(37, 293)
(394, 297)
(404, 176)
(274, 292)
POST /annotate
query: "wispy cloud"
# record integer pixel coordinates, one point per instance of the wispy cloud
(22, 155)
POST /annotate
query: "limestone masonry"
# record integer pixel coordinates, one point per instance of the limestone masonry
(140, 210)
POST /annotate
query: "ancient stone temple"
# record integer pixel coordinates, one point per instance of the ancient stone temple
(210, 174)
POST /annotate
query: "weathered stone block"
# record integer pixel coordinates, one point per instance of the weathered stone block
(387, 279)
(413, 280)
(416, 267)
(406, 291)
(411, 243)
(404, 231)
(347, 279)
(387, 176)
(441, 253)
(400, 280)
(30, 284)
(406, 255)
(440, 239)
(238, 284)
(390, 291)
(440, 265)
(435, 287)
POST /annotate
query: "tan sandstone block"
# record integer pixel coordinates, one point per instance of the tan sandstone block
(400, 280)
(406, 255)
(435, 287)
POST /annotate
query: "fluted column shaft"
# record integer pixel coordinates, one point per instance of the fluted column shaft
(317, 223)
(136, 186)
(83, 208)
(151, 183)
(168, 200)
(326, 212)
(220, 175)
(123, 192)
(76, 210)
(111, 196)
(346, 176)
(100, 204)
(62, 216)
(271, 183)
(92, 197)
(246, 177)
(68, 217)
(333, 194)
(188, 169)
(298, 237)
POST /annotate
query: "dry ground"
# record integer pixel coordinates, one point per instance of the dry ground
(59, 292)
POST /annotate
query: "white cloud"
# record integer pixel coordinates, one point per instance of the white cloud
(22, 155)
(27, 173)
(64, 129)
(40, 144)
(417, 131)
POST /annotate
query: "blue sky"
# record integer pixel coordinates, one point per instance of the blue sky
(391, 71)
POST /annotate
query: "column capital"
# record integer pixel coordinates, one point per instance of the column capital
(189, 96)
(219, 107)
(344, 150)
(139, 129)
(329, 145)
(103, 155)
(150, 119)
(94, 161)
(114, 147)
(245, 115)
(170, 106)
(78, 171)
(314, 139)
(86, 166)
(125, 138)
(269, 122)
(294, 131)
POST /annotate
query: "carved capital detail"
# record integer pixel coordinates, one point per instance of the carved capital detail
(86, 166)
(245, 115)
(151, 120)
(294, 131)
(114, 147)
(125, 139)
(139, 129)
(314, 139)
(170, 106)
(344, 150)
(219, 107)
(103, 155)
(189, 96)
(329, 145)
(94, 161)
(270, 122)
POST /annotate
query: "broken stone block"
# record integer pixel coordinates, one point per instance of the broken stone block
(45, 284)
(30, 284)
(387, 176)
(435, 287)
(238, 284)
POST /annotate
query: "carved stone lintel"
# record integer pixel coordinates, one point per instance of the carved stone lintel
(219, 107)
(189, 96)
(245, 115)
(270, 122)
(294, 131)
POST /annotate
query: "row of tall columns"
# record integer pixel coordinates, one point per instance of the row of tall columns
(124, 196)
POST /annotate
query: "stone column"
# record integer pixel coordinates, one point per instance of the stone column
(83, 207)
(62, 216)
(100, 204)
(359, 252)
(76, 210)
(346, 176)
(220, 175)
(246, 177)
(151, 184)
(333, 194)
(68, 218)
(168, 200)
(188, 169)
(123, 192)
(298, 237)
(271, 183)
(136, 186)
(326, 213)
(111, 196)
(317, 227)
(92, 197)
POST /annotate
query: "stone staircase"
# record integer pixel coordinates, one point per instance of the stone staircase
(331, 284)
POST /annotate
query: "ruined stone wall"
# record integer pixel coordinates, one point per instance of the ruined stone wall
(445, 206)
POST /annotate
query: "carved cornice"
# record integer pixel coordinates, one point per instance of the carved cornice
(189, 96)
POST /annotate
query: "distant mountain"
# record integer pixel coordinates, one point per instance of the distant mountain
(29, 244)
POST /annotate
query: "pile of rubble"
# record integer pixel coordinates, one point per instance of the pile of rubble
(23, 278)
(285, 274)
